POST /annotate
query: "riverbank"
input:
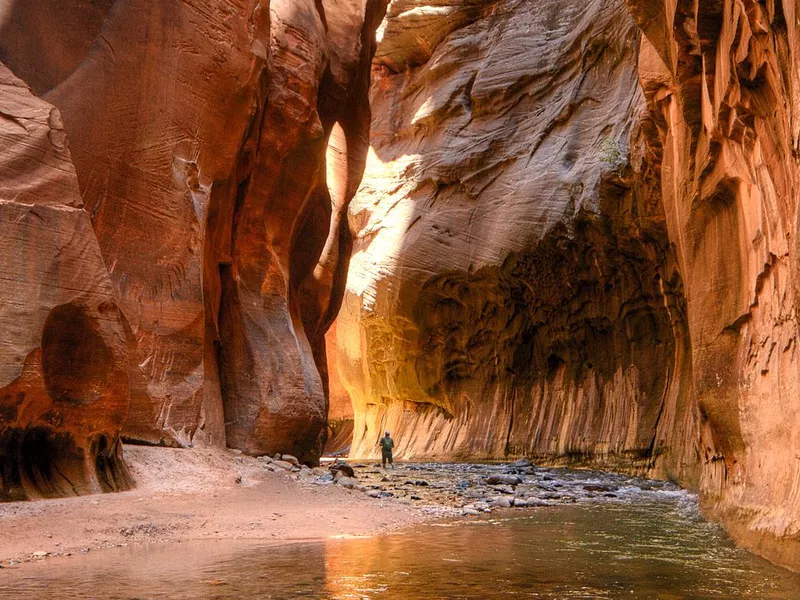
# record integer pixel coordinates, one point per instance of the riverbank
(215, 494)
(196, 494)
(553, 533)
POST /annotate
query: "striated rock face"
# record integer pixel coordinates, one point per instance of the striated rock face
(216, 146)
(289, 244)
(574, 241)
(721, 86)
(512, 289)
(63, 357)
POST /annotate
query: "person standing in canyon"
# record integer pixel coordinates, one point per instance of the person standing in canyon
(387, 444)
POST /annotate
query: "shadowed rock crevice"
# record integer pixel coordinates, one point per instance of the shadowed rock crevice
(42, 462)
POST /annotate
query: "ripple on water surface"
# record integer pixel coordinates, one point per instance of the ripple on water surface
(647, 542)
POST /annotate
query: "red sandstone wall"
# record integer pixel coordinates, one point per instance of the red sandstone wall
(63, 357)
(216, 146)
(721, 87)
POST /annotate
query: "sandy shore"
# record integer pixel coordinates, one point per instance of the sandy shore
(194, 494)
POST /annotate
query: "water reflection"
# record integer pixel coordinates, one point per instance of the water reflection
(657, 547)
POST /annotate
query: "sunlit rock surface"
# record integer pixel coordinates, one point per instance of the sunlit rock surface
(512, 290)
(63, 357)
(574, 241)
(200, 134)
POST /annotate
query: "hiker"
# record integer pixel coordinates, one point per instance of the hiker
(387, 443)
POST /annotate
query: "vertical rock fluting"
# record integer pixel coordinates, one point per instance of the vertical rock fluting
(721, 85)
(216, 146)
(512, 289)
(340, 405)
(63, 357)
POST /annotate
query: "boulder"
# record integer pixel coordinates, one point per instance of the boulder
(346, 482)
(504, 479)
(343, 469)
(502, 502)
(291, 459)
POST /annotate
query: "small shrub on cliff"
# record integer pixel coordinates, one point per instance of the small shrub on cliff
(612, 154)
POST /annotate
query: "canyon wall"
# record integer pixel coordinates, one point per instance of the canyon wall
(340, 405)
(63, 358)
(513, 290)
(721, 87)
(574, 242)
(215, 147)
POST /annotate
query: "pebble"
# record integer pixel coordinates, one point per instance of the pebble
(536, 502)
(282, 464)
(305, 474)
(467, 489)
(40, 554)
(502, 502)
(600, 488)
(343, 469)
(291, 459)
(504, 479)
(346, 482)
(522, 463)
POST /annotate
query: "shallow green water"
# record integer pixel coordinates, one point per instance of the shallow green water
(639, 544)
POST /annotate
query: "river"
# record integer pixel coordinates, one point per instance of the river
(645, 540)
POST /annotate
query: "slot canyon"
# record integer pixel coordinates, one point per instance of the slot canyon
(558, 230)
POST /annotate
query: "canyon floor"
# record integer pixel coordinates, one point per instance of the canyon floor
(208, 494)
(194, 494)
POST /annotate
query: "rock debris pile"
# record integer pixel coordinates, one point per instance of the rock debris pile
(448, 489)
